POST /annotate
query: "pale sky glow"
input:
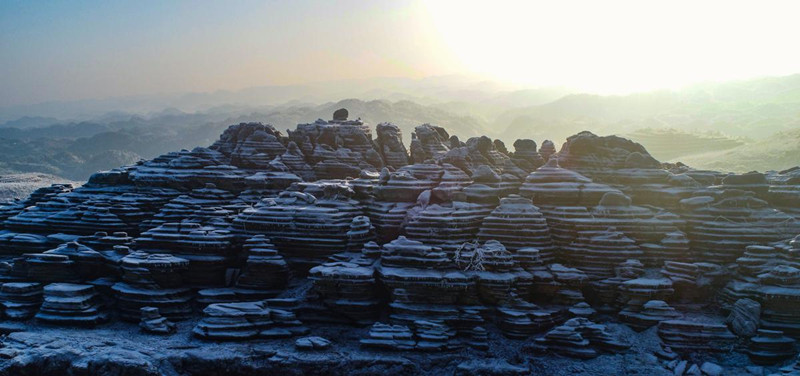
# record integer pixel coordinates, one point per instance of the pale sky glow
(620, 46)
(95, 49)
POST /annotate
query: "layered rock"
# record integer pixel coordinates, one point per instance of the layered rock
(635, 293)
(626, 165)
(312, 343)
(754, 182)
(207, 205)
(518, 224)
(20, 300)
(448, 245)
(552, 185)
(389, 140)
(652, 313)
(428, 142)
(153, 280)
(521, 319)
(605, 294)
(389, 337)
(425, 336)
(598, 252)
(208, 249)
(593, 155)
(423, 284)
(86, 263)
(580, 338)
(673, 247)
(447, 225)
(720, 229)
(744, 318)
(396, 193)
(337, 149)
(784, 191)
(190, 169)
(526, 156)
(153, 322)
(547, 149)
(779, 297)
(71, 305)
(247, 320)
(266, 273)
(251, 145)
(690, 336)
(47, 193)
(347, 289)
(642, 224)
(306, 230)
(770, 347)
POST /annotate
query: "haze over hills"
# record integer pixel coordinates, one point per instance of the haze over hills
(734, 120)
(779, 151)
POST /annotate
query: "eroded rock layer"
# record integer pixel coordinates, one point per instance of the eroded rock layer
(340, 231)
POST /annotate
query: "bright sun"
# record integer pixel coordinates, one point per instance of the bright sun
(620, 46)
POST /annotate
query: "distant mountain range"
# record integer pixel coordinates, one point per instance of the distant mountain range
(74, 139)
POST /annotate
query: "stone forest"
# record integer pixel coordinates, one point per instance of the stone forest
(336, 249)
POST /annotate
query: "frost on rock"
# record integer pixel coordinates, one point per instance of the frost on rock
(336, 248)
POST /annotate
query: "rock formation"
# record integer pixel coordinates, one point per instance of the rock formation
(357, 243)
(72, 305)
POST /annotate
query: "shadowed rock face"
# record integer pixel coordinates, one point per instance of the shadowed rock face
(446, 246)
(390, 145)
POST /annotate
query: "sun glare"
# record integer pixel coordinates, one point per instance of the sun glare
(620, 46)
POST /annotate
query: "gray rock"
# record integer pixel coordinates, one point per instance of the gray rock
(312, 343)
(711, 369)
(744, 317)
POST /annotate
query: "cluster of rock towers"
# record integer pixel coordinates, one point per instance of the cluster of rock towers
(430, 246)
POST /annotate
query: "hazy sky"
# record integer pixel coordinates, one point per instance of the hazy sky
(57, 50)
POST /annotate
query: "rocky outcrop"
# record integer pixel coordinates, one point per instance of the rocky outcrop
(305, 229)
(652, 313)
(390, 145)
(207, 248)
(744, 317)
(425, 336)
(552, 185)
(251, 145)
(266, 273)
(337, 149)
(593, 155)
(247, 320)
(156, 281)
(689, 336)
(784, 191)
(447, 226)
(770, 347)
(72, 305)
(457, 247)
(347, 289)
(428, 142)
(721, 228)
(20, 300)
(597, 253)
(526, 156)
(547, 149)
(152, 322)
(580, 338)
(518, 224)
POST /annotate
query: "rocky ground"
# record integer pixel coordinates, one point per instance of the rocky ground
(121, 349)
